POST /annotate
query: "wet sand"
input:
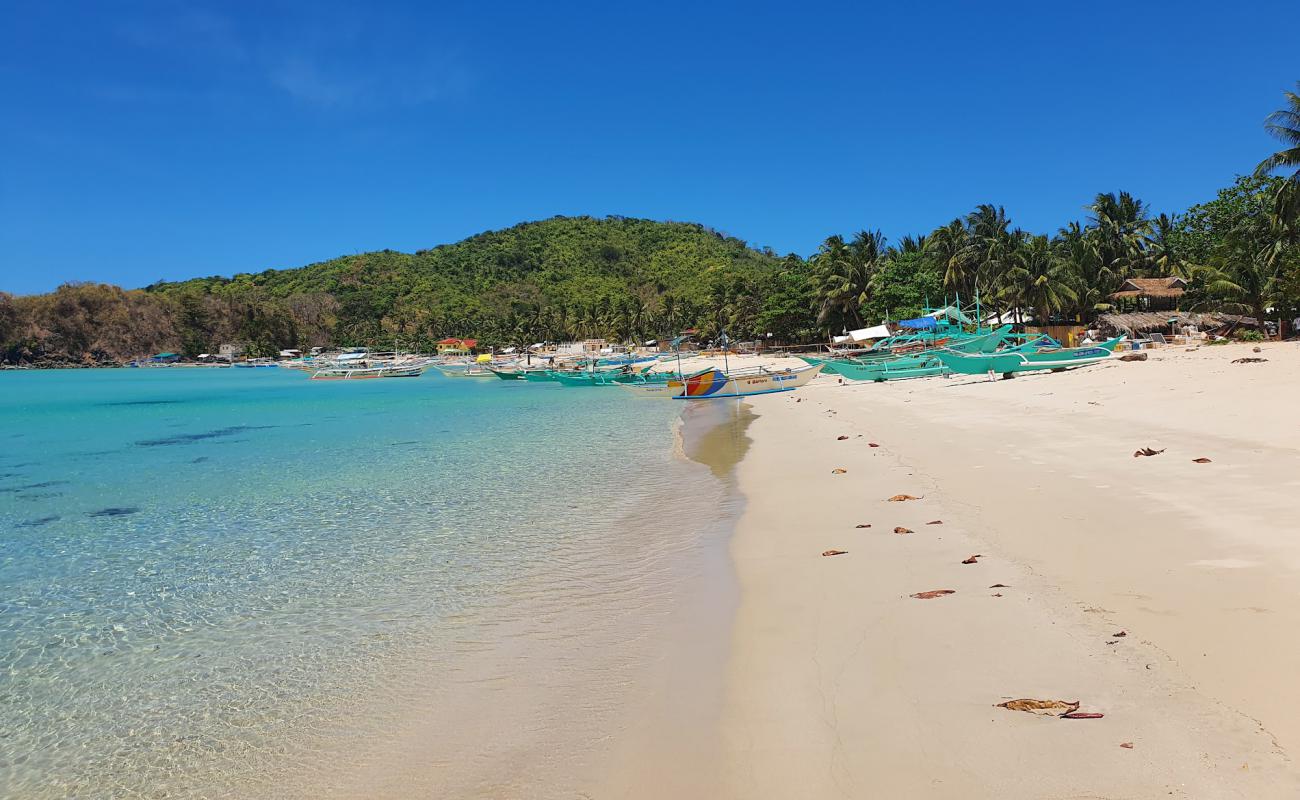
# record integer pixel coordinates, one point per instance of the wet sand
(842, 685)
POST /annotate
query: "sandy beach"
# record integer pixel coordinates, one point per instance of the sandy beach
(1156, 591)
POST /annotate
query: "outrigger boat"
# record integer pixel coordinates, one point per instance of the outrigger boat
(347, 373)
(464, 371)
(1006, 363)
(715, 384)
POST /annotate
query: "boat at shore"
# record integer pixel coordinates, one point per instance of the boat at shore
(1006, 363)
(716, 384)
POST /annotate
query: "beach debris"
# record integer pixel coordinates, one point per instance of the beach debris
(863, 525)
(1113, 641)
(999, 586)
(872, 444)
(975, 559)
(1133, 357)
(1256, 350)
(933, 593)
(996, 594)
(935, 522)
(900, 498)
(1249, 360)
(1082, 715)
(1201, 460)
(798, 399)
(1120, 635)
(839, 471)
(1048, 708)
(1147, 451)
(1126, 745)
(840, 438)
(834, 553)
(901, 529)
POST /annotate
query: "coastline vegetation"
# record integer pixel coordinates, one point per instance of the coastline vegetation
(633, 279)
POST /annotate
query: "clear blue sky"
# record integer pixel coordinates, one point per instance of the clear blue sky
(146, 140)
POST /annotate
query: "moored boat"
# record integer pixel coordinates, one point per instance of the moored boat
(1007, 362)
(715, 384)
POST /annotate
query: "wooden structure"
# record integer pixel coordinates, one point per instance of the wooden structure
(1152, 294)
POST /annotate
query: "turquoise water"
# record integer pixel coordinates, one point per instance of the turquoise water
(203, 572)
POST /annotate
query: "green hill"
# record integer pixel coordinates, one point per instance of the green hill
(560, 278)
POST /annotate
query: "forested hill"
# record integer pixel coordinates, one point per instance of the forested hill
(564, 277)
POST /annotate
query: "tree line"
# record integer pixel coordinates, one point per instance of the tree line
(631, 280)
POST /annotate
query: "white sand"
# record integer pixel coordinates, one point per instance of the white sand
(840, 685)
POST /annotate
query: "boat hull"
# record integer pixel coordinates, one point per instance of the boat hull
(1010, 362)
(714, 384)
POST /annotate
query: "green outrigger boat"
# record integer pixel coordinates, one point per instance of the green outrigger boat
(1006, 363)
(943, 327)
(922, 364)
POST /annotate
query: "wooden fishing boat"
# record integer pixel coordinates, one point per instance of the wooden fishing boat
(1005, 363)
(714, 384)
(347, 373)
(920, 365)
(463, 371)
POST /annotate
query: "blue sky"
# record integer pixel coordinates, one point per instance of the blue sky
(147, 140)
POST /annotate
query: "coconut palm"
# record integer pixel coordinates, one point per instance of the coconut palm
(949, 247)
(1043, 276)
(1160, 256)
(842, 277)
(1284, 125)
(1117, 233)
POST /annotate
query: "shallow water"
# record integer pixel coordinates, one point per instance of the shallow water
(235, 583)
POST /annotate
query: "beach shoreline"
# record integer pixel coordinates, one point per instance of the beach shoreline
(840, 684)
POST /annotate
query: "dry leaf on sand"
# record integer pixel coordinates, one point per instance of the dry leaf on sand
(1147, 451)
(1201, 461)
(972, 560)
(935, 522)
(933, 593)
(872, 444)
(863, 525)
(901, 529)
(1082, 715)
(1126, 745)
(840, 438)
(838, 471)
(999, 586)
(1249, 360)
(834, 552)
(900, 498)
(1051, 708)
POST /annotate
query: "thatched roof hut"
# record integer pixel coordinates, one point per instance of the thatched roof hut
(1140, 322)
(1152, 293)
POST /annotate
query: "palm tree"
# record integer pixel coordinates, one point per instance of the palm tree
(1044, 278)
(949, 247)
(1119, 227)
(1284, 125)
(1160, 255)
(842, 277)
(992, 244)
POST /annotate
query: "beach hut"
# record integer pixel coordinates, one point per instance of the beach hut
(1152, 294)
(1138, 324)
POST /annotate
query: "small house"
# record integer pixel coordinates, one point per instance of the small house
(456, 347)
(1153, 294)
